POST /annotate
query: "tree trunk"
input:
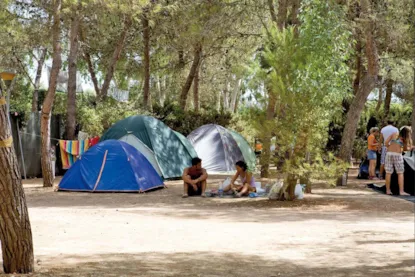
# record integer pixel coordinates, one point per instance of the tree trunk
(353, 116)
(218, 98)
(305, 179)
(146, 40)
(282, 14)
(181, 59)
(368, 83)
(196, 101)
(356, 81)
(380, 98)
(272, 10)
(294, 15)
(15, 230)
(161, 91)
(288, 190)
(87, 58)
(272, 97)
(235, 95)
(413, 110)
(235, 108)
(41, 62)
(388, 98)
(72, 63)
(266, 149)
(191, 76)
(50, 97)
(115, 57)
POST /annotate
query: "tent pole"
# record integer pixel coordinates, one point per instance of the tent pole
(21, 149)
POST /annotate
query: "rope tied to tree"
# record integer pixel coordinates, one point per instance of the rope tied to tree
(6, 143)
(2, 101)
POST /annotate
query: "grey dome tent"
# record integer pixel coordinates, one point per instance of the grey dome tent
(220, 148)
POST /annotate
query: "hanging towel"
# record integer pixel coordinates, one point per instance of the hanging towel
(71, 150)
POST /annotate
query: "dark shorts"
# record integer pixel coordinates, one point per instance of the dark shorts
(192, 192)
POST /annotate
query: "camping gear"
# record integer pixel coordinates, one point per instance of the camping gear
(274, 192)
(71, 150)
(298, 192)
(220, 148)
(111, 166)
(363, 169)
(167, 152)
(408, 177)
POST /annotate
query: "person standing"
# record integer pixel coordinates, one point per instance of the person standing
(386, 132)
(397, 143)
(372, 148)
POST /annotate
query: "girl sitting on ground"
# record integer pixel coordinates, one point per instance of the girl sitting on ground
(247, 180)
(397, 143)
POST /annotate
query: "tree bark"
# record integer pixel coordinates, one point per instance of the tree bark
(196, 101)
(146, 40)
(50, 97)
(368, 83)
(413, 110)
(115, 57)
(72, 61)
(41, 62)
(15, 230)
(87, 58)
(388, 98)
(356, 81)
(282, 14)
(161, 89)
(272, 97)
(272, 10)
(191, 76)
(181, 59)
(218, 100)
(380, 98)
(235, 95)
(266, 153)
(294, 15)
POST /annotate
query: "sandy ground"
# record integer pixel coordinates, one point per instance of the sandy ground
(333, 232)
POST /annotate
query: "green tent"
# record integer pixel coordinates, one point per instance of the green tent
(169, 152)
(247, 152)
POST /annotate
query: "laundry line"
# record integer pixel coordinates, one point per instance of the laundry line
(39, 136)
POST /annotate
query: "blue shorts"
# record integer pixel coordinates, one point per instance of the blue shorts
(371, 155)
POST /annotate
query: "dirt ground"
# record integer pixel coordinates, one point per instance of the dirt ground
(333, 232)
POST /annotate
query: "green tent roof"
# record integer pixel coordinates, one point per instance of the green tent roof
(172, 153)
(246, 149)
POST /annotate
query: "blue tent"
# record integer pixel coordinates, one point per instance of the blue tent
(111, 166)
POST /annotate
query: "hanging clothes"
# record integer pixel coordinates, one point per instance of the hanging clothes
(71, 150)
(93, 141)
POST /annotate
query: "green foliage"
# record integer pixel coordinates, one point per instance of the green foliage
(307, 73)
(95, 117)
(185, 122)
